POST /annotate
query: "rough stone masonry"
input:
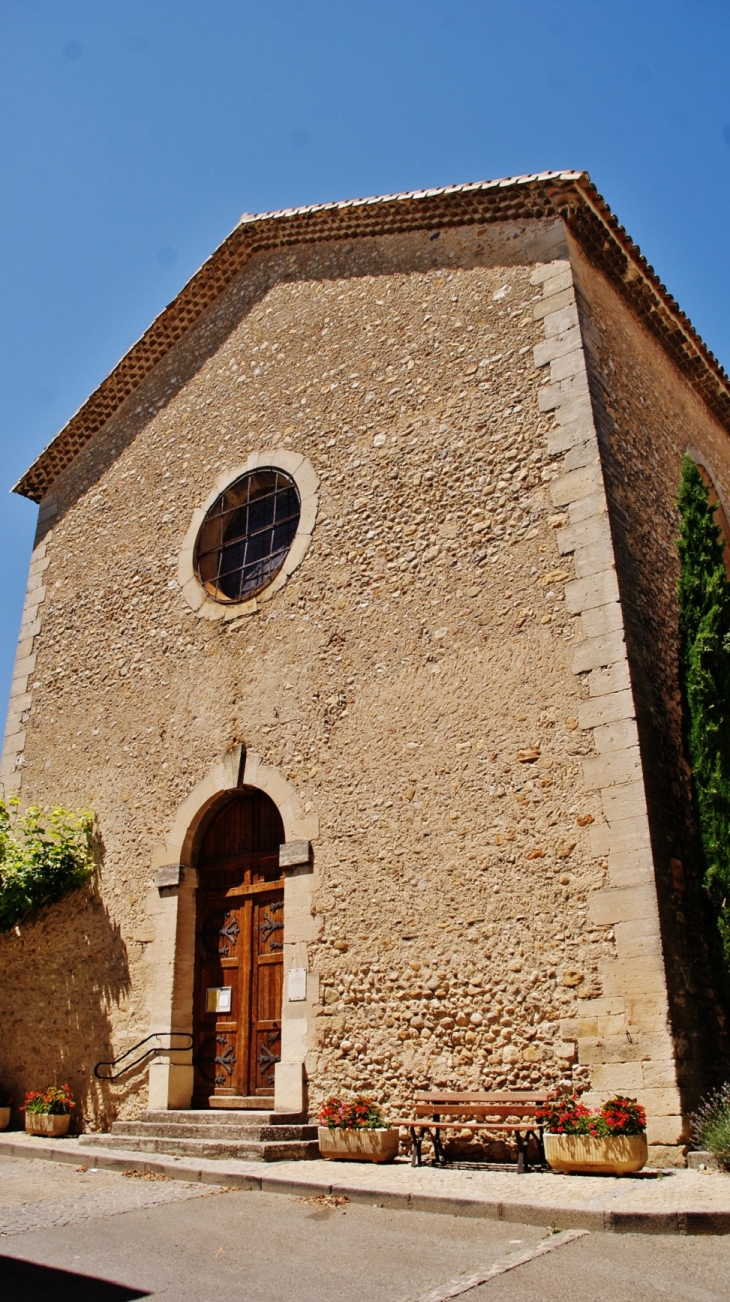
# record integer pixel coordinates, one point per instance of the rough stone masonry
(464, 694)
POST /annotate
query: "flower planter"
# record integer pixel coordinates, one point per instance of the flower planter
(4, 1118)
(358, 1145)
(586, 1155)
(50, 1124)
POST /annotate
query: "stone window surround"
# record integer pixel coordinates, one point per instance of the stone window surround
(171, 905)
(301, 470)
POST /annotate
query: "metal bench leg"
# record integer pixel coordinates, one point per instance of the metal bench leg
(521, 1154)
(417, 1146)
(438, 1148)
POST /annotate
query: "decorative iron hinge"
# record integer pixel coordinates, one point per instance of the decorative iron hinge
(266, 1059)
(269, 925)
(230, 931)
(225, 1060)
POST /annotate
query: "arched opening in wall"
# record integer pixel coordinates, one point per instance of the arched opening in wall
(239, 944)
(719, 512)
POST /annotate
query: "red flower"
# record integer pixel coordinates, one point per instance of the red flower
(623, 1116)
(563, 1114)
(361, 1114)
(55, 1100)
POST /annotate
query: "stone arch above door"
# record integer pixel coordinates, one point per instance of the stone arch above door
(237, 768)
(171, 911)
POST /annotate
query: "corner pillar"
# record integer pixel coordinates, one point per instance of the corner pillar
(173, 907)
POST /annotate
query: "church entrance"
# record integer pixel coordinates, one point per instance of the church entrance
(239, 943)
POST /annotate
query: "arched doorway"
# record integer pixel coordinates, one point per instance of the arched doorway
(718, 509)
(239, 943)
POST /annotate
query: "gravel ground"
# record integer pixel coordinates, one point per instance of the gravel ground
(36, 1195)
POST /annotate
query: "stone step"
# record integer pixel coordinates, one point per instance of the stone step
(244, 1132)
(220, 1149)
(241, 1101)
(201, 1117)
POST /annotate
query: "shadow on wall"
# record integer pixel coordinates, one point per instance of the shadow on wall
(67, 969)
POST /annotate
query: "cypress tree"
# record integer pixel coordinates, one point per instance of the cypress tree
(704, 660)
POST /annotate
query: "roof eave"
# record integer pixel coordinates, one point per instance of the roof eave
(568, 194)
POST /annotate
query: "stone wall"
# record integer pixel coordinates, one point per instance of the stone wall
(413, 680)
(647, 417)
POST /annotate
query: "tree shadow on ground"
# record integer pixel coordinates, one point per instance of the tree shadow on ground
(36, 1283)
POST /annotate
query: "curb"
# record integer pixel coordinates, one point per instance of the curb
(598, 1219)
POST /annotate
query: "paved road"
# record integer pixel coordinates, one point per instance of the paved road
(86, 1236)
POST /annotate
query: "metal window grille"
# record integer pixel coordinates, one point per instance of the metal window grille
(245, 537)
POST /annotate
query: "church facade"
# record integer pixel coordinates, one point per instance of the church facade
(352, 615)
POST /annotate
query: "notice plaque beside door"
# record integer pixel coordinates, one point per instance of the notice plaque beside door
(297, 984)
(218, 999)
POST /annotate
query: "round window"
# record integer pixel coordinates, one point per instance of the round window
(246, 534)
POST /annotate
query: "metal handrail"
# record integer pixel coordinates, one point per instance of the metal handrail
(148, 1053)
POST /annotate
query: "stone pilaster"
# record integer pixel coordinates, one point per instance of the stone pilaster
(11, 767)
(624, 1037)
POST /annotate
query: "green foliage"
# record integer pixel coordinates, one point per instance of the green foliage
(711, 1126)
(42, 856)
(704, 626)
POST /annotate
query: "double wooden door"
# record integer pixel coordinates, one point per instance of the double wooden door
(239, 951)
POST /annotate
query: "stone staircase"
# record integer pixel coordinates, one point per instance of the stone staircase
(245, 1133)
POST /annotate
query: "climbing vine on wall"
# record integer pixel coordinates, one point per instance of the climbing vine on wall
(704, 615)
(42, 856)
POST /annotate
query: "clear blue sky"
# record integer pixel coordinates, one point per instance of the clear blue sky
(134, 134)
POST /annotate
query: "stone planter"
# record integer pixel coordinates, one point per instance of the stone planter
(50, 1124)
(358, 1145)
(585, 1155)
(4, 1118)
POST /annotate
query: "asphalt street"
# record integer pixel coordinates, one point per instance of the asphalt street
(70, 1235)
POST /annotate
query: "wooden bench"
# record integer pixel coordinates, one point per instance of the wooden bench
(500, 1112)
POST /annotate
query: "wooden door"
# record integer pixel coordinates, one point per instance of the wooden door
(239, 951)
(266, 989)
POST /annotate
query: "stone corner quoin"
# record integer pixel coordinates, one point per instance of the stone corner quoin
(434, 705)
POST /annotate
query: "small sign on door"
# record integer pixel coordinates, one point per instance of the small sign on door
(218, 999)
(297, 984)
